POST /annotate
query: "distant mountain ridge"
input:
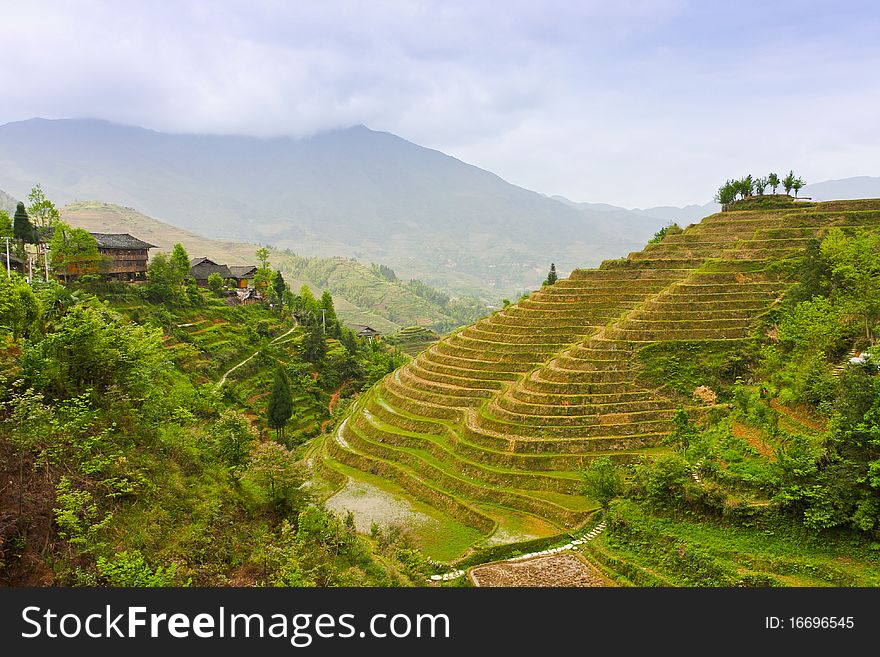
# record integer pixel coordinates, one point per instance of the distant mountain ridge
(353, 192)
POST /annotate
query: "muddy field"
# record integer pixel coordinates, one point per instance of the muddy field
(370, 504)
(567, 569)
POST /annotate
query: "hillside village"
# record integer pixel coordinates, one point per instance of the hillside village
(715, 386)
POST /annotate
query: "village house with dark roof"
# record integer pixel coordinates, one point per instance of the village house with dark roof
(364, 331)
(127, 256)
(238, 276)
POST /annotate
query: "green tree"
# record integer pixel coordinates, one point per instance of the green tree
(760, 186)
(788, 182)
(726, 194)
(314, 347)
(20, 309)
(551, 276)
(773, 181)
(163, 280)
(233, 438)
(5, 225)
(273, 469)
(74, 251)
(330, 320)
(180, 262)
(280, 403)
(603, 481)
(263, 256)
(215, 282)
(23, 229)
(797, 184)
(855, 273)
(279, 286)
(42, 210)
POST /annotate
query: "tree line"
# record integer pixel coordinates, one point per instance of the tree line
(743, 188)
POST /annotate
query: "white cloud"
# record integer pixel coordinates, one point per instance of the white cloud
(635, 103)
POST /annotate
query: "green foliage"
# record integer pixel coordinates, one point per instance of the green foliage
(74, 251)
(20, 310)
(671, 229)
(41, 210)
(684, 431)
(164, 283)
(384, 272)
(280, 404)
(180, 262)
(773, 181)
(215, 282)
(233, 438)
(77, 516)
(551, 276)
(855, 272)
(130, 569)
(5, 225)
(93, 348)
(23, 229)
(603, 481)
(278, 478)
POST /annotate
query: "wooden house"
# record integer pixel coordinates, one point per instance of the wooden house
(204, 267)
(126, 255)
(364, 331)
(237, 276)
(243, 275)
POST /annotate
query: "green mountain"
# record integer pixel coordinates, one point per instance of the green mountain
(352, 193)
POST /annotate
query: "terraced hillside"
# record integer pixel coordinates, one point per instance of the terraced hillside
(497, 420)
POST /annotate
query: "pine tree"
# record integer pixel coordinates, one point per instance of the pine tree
(551, 277)
(23, 230)
(280, 403)
(279, 285)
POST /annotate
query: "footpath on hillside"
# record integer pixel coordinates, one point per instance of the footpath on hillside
(235, 367)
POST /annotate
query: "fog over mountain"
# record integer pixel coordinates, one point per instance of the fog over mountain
(353, 192)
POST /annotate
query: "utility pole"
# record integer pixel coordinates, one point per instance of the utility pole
(46, 262)
(8, 267)
(323, 322)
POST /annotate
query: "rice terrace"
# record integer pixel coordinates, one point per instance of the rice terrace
(494, 426)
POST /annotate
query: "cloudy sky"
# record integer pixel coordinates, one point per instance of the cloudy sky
(635, 103)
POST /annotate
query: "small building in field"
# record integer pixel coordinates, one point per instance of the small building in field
(364, 331)
(201, 268)
(127, 256)
(235, 276)
(243, 275)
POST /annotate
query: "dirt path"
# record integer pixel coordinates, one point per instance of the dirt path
(235, 367)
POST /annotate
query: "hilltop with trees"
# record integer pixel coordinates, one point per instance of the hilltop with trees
(733, 192)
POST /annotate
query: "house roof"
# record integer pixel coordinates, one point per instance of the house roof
(12, 258)
(242, 271)
(363, 329)
(204, 267)
(114, 241)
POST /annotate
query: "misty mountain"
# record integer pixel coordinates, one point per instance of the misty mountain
(7, 202)
(353, 192)
(846, 188)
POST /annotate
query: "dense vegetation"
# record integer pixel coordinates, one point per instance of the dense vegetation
(781, 485)
(132, 461)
